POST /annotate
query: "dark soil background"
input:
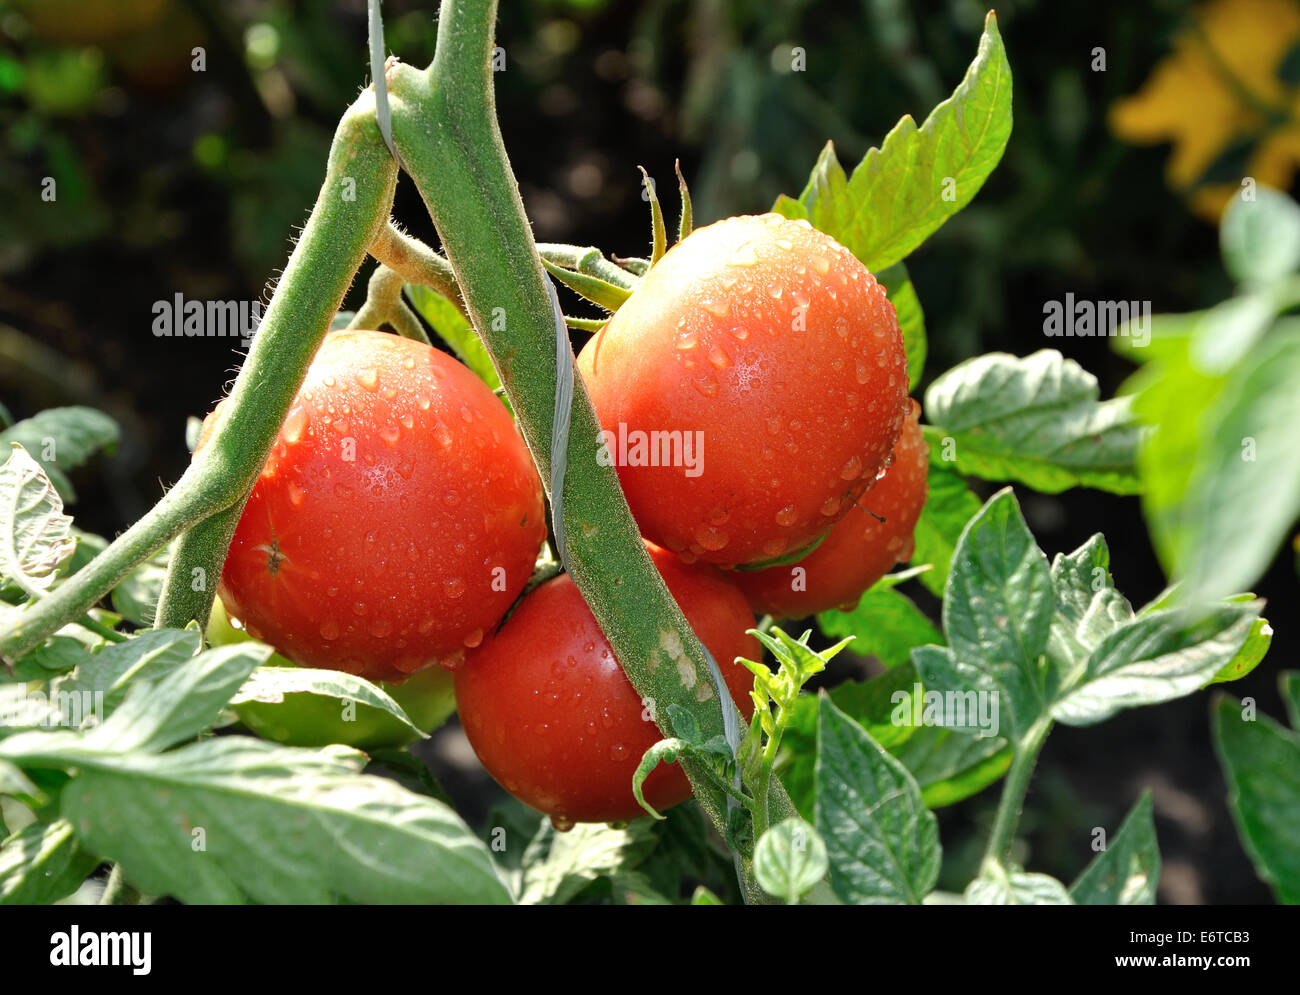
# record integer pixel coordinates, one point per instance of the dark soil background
(173, 181)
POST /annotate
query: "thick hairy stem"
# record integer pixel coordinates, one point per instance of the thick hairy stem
(384, 304)
(445, 129)
(416, 262)
(352, 207)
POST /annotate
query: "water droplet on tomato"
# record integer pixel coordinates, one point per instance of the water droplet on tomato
(831, 506)
(775, 547)
(852, 469)
(562, 823)
(390, 434)
(686, 340)
(787, 515)
(296, 495)
(368, 377)
(423, 400)
(617, 752)
(294, 424)
(774, 291)
(453, 587)
(821, 264)
(474, 638)
(706, 385)
(719, 358)
(716, 308)
(710, 537)
(744, 256)
(380, 628)
(329, 629)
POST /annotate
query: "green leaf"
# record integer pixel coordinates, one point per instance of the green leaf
(1261, 763)
(62, 439)
(1128, 870)
(882, 844)
(42, 863)
(1260, 239)
(559, 865)
(1088, 608)
(998, 611)
(1156, 657)
(236, 819)
(885, 623)
(1250, 655)
(702, 896)
(57, 656)
(911, 318)
(271, 684)
(789, 859)
(949, 505)
(1016, 887)
(950, 766)
(35, 534)
(1171, 395)
(187, 701)
(902, 192)
(1244, 492)
(871, 703)
(14, 782)
(1289, 685)
(1037, 420)
(452, 327)
(148, 656)
(136, 597)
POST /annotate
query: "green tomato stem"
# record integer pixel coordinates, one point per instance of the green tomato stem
(417, 263)
(446, 133)
(350, 210)
(1014, 788)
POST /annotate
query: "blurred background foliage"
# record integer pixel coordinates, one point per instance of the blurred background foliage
(1134, 122)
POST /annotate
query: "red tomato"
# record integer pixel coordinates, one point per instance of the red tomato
(860, 549)
(555, 720)
(769, 348)
(397, 518)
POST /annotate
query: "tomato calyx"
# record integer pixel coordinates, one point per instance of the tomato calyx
(785, 558)
(608, 283)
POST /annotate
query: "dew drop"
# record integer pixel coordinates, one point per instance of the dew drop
(706, 385)
(831, 506)
(329, 629)
(821, 264)
(710, 537)
(774, 291)
(787, 515)
(716, 308)
(744, 255)
(775, 547)
(686, 340)
(453, 587)
(719, 358)
(852, 469)
(562, 823)
(390, 434)
(380, 628)
(368, 377)
(294, 425)
(474, 638)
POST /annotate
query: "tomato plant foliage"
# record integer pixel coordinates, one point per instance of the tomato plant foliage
(125, 735)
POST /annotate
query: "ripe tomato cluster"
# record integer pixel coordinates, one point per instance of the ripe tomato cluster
(758, 369)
